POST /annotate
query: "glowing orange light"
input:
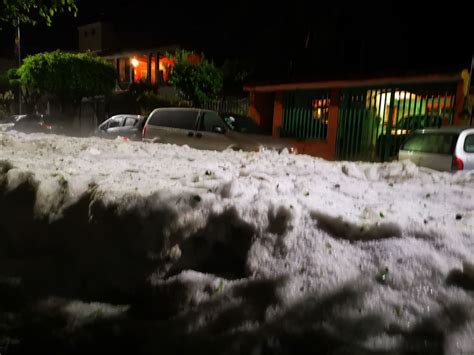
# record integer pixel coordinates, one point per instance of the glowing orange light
(134, 61)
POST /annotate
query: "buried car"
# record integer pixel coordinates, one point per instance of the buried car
(204, 129)
(29, 123)
(444, 149)
(129, 126)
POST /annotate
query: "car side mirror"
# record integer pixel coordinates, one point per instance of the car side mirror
(218, 129)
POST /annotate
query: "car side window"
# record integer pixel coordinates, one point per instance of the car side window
(414, 143)
(185, 119)
(469, 144)
(130, 121)
(211, 120)
(115, 122)
(435, 143)
(104, 125)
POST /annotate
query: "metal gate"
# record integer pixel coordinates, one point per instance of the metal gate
(305, 115)
(374, 122)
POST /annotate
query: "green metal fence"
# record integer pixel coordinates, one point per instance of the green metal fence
(374, 122)
(305, 114)
(228, 105)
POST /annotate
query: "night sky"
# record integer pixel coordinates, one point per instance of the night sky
(291, 40)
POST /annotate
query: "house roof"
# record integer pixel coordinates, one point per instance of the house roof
(130, 51)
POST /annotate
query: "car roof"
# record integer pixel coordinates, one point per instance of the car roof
(183, 109)
(127, 114)
(445, 129)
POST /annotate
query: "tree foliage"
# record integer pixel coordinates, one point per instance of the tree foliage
(236, 72)
(67, 76)
(197, 81)
(32, 11)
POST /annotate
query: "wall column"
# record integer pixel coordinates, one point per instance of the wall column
(157, 68)
(117, 70)
(148, 68)
(277, 113)
(333, 119)
(461, 93)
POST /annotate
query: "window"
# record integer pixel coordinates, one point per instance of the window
(211, 120)
(115, 122)
(435, 143)
(183, 119)
(321, 109)
(242, 124)
(469, 144)
(130, 121)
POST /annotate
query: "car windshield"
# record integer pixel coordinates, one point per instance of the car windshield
(242, 124)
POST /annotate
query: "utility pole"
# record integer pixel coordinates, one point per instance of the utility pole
(18, 47)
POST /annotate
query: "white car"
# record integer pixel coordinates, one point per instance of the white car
(444, 149)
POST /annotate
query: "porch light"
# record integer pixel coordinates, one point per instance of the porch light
(134, 61)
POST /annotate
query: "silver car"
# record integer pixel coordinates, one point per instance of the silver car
(129, 126)
(444, 149)
(204, 129)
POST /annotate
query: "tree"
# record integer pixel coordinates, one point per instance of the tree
(28, 11)
(67, 76)
(235, 73)
(6, 95)
(195, 80)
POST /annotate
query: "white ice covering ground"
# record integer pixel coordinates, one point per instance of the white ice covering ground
(378, 256)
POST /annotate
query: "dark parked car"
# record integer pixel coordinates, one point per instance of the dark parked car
(29, 123)
(129, 126)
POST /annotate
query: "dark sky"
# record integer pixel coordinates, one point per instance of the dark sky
(291, 39)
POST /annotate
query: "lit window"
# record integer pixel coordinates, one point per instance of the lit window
(321, 109)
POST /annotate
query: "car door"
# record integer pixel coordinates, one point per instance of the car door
(173, 126)
(114, 126)
(211, 133)
(438, 151)
(129, 128)
(468, 154)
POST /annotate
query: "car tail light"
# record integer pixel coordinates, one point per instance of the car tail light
(457, 164)
(144, 131)
(44, 125)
